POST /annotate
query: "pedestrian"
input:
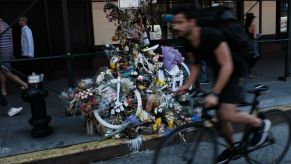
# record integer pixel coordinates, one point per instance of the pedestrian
(209, 44)
(11, 111)
(27, 45)
(250, 28)
(6, 53)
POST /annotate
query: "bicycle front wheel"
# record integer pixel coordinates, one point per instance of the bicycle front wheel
(190, 143)
(273, 150)
(116, 120)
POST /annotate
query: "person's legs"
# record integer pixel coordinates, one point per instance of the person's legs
(3, 83)
(11, 111)
(15, 78)
(227, 113)
(226, 130)
(5, 68)
(3, 101)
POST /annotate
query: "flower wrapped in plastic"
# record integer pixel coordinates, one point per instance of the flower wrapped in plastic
(171, 57)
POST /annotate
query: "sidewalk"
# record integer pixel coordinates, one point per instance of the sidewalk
(69, 136)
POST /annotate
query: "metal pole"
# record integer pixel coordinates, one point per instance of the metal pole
(260, 24)
(48, 30)
(278, 18)
(288, 47)
(287, 69)
(260, 16)
(67, 43)
(240, 10)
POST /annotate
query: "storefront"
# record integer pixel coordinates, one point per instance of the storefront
(271, 16)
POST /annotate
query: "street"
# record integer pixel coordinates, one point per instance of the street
(175, 152)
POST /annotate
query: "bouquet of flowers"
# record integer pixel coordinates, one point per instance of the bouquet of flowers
(85, 99)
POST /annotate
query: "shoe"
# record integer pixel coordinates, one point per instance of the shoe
(261, 133)
(204, 82)
(13, 111)
(223, 157)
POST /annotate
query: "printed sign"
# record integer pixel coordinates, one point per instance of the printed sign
(127, 4)
(283, 24)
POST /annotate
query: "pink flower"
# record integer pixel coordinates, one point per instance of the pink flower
(139, 78)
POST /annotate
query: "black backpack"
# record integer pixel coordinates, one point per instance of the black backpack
(223, 19)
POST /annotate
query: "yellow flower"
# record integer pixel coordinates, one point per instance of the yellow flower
(160, 83)
(157, 124)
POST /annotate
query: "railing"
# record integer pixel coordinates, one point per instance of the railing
(63, 56)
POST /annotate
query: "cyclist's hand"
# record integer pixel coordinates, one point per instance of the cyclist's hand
(181, 90)
(210, 100)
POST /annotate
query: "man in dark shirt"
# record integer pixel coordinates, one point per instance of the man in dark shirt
(209, 44)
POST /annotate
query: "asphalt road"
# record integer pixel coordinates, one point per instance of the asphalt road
(172, 154)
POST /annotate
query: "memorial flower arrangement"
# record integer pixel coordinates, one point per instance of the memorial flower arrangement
(160, 112)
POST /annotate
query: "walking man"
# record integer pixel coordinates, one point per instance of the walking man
(27, 45)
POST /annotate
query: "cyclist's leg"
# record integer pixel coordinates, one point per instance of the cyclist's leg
(227, 130)
(231, 95)
(227, 113)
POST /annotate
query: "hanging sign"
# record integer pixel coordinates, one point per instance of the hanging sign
(128, 4)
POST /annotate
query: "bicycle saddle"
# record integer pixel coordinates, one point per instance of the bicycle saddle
(259, 88)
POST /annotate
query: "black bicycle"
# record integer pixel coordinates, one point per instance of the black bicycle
(201, 141)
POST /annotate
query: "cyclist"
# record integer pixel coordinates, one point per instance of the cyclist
(208, 44)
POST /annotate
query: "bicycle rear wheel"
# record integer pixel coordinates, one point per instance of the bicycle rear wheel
(190, 143)
(273, 150)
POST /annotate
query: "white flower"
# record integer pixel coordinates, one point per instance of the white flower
(100, 78)
(108, 71)
(112, 111)
(118, 110)
(125, 104)
(154, 1)
(156, 58)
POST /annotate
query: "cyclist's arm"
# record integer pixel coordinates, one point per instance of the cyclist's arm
(194, 70)
(223, 56)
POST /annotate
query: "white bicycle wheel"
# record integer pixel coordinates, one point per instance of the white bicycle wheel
(115, 120)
